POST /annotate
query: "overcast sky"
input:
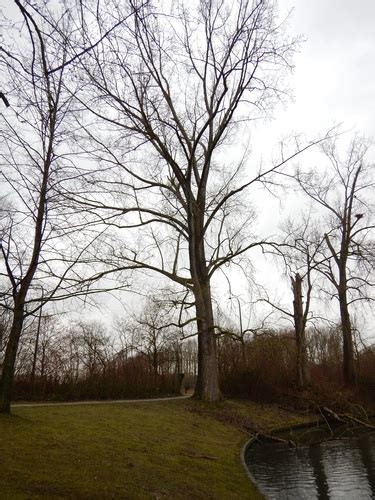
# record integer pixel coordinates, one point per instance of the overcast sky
(333, 82)
(334, 78)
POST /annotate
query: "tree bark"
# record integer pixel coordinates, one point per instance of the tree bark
(303, 373)
(7, 376)
(155, 365)
(207, 386)
(36, 348)
(347, 337)
(346, 324)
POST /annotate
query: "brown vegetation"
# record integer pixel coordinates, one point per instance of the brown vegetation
(264, 369)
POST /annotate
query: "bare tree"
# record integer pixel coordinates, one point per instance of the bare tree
(300, 318)
(39, 341)
(300, 251)
(153, 334)
(170, 93)
(345, 190)
(94, 346)
(40, 243)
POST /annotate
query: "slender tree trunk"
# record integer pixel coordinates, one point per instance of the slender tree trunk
(20, 295)
(346, 325)
(2, 330)
(243, 352)
(347, 337)
(1, 349)
(43, 363)
(7, 376)
(306, 376)
(303, 372)
(155, 363)
(36, 348)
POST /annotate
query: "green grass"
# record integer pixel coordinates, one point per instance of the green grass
(173, 449)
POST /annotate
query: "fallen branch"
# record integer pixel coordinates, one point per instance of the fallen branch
(358, 421)
(270, 437)
(207, 457)
(261, 435)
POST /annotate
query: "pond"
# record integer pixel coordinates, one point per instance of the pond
(343, 467)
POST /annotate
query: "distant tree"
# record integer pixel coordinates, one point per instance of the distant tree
(36, 359)
(153, 333)
(325, 346)
(299, 250)
(94, 346)
(344, 191)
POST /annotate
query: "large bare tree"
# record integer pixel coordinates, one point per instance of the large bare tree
(171, 93)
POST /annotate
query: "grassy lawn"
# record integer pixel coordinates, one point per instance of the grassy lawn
(169, 449)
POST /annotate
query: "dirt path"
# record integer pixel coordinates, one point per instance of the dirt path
(105, 402)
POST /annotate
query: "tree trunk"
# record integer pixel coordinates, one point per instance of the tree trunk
(36, 348)
(346, 325)
(7, 376)
(207, 386)
(306, 376)
(180, 389)
(347, 337)
(303, 372)
(155, 365)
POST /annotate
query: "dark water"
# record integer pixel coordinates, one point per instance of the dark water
(343, 468)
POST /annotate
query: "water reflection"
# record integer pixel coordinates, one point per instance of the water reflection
(315, 454)
(368, 459)
(338, 469)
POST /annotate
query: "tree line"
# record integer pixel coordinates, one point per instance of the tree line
(138, 357)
